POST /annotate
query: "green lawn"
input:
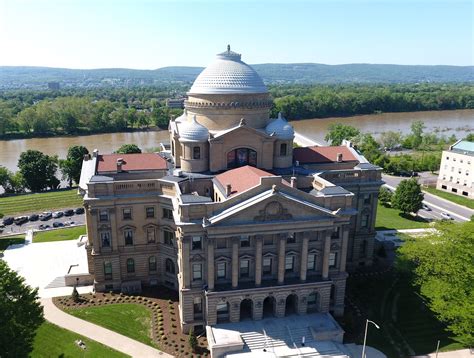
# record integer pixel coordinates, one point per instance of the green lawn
(71, 233)
(461, 200)
(54, 341)
(391, 219)
(11, 240)
(36, 203)
(114, 317)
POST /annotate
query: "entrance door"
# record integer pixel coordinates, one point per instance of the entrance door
(291, 306)
(269, 307)
(246, 309)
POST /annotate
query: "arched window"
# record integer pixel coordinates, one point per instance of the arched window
(130, 265)
(283, 149)
(196, 152)
(240, 157)
(108, 270)
(152, 263)
(169, 266)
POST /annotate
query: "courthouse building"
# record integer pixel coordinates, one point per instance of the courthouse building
(232, 217)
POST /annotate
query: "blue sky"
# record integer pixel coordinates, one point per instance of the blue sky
(150, 34)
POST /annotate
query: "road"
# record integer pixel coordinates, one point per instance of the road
(437, 204)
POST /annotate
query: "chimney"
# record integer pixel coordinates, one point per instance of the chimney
(293, 182)
(119, 164)
(228, 190)
(95, 153)
(339, 157)
(86, 157)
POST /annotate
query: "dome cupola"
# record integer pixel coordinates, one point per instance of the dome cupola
(193, 131)
(182, 118)
(280, 128)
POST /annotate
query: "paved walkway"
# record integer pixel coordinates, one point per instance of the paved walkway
(102, 335)
(462, 353)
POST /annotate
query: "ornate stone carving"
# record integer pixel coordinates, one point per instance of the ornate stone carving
(273, 211)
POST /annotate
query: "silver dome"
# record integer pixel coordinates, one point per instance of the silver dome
(192, 131)
(280, 128)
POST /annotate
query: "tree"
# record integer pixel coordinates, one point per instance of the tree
(38, 170)
(385, 196)
(443, 264)
(470, 137)
(20, 314)
(338, 132)
(72, 165)
(390, 139)
(75, 295)
(128, 149)
(193, 342)
(417, 132)
(408, 197)
(368, 146)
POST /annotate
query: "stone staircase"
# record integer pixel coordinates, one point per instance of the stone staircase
(57, 282)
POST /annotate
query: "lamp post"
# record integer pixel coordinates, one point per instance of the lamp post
(365, 335)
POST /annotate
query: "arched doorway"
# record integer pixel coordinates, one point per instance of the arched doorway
(240, 157)
(246, 308)
(291, 305)
(312, 301)
(269, 307)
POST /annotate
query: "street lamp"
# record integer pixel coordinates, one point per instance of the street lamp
(365, 335)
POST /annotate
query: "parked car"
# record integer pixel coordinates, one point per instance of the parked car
(8, 221)
(79, 211)
(21, 220)
(44, 227)
(33, 217)
(2, 226)
(68, 212)
(57, 214)
(69, 223)
(58, 224)
(426, 207)
(446, 216)
(46, 216)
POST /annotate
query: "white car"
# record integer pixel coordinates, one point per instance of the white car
(446, 216)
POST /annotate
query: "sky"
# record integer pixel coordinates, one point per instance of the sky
(149, 34)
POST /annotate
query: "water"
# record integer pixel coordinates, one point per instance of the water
(457, 122)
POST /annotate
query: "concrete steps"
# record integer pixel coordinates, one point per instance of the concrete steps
(57, 282)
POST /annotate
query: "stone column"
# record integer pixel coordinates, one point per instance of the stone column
(210, 264)
(186, 265)
(281, 259)
(326, 251)
(345, 241)
(235, 262)
(304, 257)
(258, 260)
(114, 233)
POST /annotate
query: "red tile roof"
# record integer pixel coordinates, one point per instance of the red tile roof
(242, 179)
(322, 154)
(131, 162)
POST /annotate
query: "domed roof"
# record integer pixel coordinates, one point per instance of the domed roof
(226, 75)
(193, 131)
(182, 118)
(281, 128)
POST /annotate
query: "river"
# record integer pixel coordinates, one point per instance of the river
(457, 122)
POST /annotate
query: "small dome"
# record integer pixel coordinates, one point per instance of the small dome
(281, 128)
(228, 74)
(182, 118)
(193, 131)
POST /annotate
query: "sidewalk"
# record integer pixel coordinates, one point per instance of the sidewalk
(102, 335)
(462, 353)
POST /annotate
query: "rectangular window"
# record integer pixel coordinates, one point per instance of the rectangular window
(221, 243)
(152, 263)
(128, 235)
(222, 308)
(267, 265)
(364, 220)
(105, 239)
(311, 262)
(168, 237)
(221, 270)
(167, 214)
(108, 270)
(291, 239)
(245, 241)
(289, 263)
(197, 243)
(197, 304)
(104, 215)
(196, 153)
(150, 235)
(366, 199)
(335, 233)
(197, 272)
(150, 212)
(283, 149)
(244, 268)
(127, 214)
(332, 259)
(268, 240)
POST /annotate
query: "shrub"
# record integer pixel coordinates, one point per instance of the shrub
(193, 342)
(75, 295)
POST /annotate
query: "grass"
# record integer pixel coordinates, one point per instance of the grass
(71, 233)
(113, 317)
(461, 200)
(11, 240)
(36, 203)
(392, 219)
(53, 341)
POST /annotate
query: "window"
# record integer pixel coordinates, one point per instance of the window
(221, 270)
(364, 222)
(169, 237)
(283, 149)
(332, 259)
(104, 215)
(335, 233)
(152, 263)
(169, 266)
(197, 272)
(289, 263)
(366, 199)
(196, 153)
(240, 157)
(267, 265)
(128, 235)
(244, 268)
(363, 249)
(127, 214)
(197, 304)
(167, 214)
(312, 298)
(245, 241)
(150, 235)
(130, 265)
(291, 239)
(222, 308)
(197, 243)
(108, 270)
(268, 240)
(311, 262)
(221, 243)
(105, 239)
(150, 212)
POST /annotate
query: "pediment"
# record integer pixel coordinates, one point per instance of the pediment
(240, 130)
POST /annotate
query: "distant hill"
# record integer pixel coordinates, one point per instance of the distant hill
(38, 77)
